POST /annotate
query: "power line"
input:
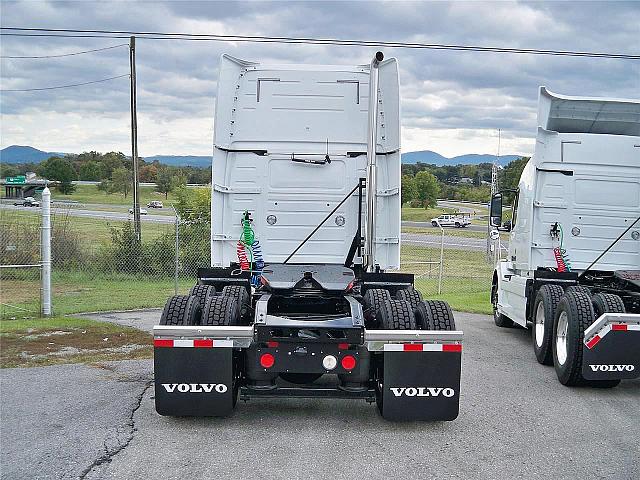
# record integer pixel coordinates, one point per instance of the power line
(64, 86)
(65, 54)
(73, 33)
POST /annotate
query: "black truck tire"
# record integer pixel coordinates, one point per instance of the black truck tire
(409, 294)
(607, 303)
(544, 313)
(396, 315)
(373, 300)
(434, 315)
(579, 288)
(202, 292)
(573, 315)
(221, 310)
(241, 295)
(499, 319)
(181, 310)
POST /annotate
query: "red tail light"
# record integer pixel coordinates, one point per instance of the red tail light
(348, 362)
(272, 344)
(267, 360)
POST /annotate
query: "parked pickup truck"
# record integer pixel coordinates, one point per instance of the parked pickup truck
(458, 221)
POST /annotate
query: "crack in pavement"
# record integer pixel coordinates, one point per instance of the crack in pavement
(109, 453)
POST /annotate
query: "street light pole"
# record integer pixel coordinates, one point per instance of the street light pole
(134, 140)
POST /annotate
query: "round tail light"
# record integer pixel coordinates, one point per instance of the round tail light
(348, 362)
(329, 362)
(267, 360)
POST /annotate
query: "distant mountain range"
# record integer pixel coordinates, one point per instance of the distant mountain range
(181, 160)
(26, 154)
(427, 156)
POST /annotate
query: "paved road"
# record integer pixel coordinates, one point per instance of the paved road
(418, 239)
(516, 421)
(99, 214)
(450, 242)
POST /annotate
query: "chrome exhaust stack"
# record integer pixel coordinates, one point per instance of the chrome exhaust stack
(371, 186)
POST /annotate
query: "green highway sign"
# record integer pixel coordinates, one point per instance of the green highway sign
(17, 180)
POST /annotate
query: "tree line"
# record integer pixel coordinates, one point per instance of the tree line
(423, 183)
(114, 171)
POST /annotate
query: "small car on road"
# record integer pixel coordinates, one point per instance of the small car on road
(27, 202)
(142, 211)
(155, 204)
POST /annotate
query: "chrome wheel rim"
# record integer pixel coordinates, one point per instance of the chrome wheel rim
(539, 328)
(561, 338)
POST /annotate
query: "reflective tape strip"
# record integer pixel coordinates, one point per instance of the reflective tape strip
(593, 342)
(422, 347)
(616, 327)
(193, 343)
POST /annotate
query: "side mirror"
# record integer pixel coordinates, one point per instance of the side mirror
(495, 210)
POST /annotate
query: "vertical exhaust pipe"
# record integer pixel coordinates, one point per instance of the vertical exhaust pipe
(372, 136)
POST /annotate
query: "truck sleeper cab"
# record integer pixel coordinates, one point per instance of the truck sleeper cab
(573, 266)
(298, 300)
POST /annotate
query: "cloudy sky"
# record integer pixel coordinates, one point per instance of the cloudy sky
(452, 102)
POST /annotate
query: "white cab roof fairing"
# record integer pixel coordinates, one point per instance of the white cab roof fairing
(261, 124)
(570, 114)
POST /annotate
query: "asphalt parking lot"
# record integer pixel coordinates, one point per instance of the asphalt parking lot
(516, 421)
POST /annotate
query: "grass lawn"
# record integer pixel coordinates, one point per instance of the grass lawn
(452, 232)
(75, 292)
(411, 214)
(39, 342)
(466, 276)
(90, 230)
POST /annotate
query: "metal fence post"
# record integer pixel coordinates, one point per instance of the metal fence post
(441, 260)
(177, 257)
(46, 252)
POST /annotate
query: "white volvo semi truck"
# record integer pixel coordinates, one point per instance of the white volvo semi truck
(300, 299)
(573, 267)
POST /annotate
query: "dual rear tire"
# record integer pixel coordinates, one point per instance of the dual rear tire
(560, 319)
(204, 307)
(574, 315)
(408, 311)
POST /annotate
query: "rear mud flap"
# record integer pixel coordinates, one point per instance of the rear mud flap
(420, 385)
(193, 381)
(613, 356)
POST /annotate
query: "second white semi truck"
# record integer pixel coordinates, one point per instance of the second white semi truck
(572, 271)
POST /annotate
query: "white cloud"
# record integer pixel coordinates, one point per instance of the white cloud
(452, 102)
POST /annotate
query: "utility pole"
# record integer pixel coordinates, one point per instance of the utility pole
(494, 189)
(134, 140)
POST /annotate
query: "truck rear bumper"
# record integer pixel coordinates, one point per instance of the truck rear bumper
(412, 374)
(611, 349)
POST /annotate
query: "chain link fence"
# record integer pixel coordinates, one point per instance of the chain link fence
(98, 263)
(450, 263)
(20, 269)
